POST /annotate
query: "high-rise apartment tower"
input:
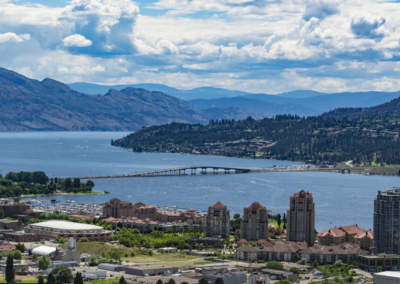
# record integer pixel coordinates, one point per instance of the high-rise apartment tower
(217, 221)
(301, 218)
(386, 221)
(254, 224)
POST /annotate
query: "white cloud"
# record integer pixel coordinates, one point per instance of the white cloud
(12, 37)
(77, 40)
(256, 46)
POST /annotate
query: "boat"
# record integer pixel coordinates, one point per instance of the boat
(71, 201)
(206, 196)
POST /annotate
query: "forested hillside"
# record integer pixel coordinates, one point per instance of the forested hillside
(313, 139)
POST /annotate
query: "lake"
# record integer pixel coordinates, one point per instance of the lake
(340, 199)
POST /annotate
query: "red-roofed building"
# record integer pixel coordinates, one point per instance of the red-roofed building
(364, 239)
(349, 234)
(117, 209)
(301, 218)
(217, 221)
(351, 231)
(332, 236)
(254, 224)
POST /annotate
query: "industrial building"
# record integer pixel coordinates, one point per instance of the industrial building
(228, 278)
(53, 229)
(111, 267)
(43, 250)
(150, 270)
(387, 277)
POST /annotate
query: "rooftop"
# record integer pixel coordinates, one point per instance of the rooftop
(65, 225)
(389, 274)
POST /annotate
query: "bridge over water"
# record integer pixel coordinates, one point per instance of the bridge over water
(175, 172)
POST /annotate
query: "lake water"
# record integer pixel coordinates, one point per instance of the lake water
(340, 199)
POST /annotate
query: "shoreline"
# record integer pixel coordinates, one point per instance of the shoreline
(58, 194)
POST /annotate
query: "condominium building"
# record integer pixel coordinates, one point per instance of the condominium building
(118, 209)
(301, 218)
(254, 224)
(351, 234)
(217, 221)
(386, 221)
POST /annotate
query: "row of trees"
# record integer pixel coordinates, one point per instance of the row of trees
(16, 184)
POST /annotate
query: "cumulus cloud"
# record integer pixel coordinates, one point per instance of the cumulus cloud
(367, 25)
(77, 40)
(108, 23)
(12, 37)
(320, 10)
(256, 46)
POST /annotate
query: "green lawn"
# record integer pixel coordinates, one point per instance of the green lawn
(275, 224)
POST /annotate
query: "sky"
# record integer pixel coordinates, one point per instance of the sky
(257, 46)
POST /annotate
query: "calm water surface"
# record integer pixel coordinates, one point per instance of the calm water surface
(340, 199)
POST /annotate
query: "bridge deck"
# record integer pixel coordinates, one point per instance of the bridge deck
(171, 172)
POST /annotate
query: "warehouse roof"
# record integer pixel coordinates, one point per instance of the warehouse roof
(65, 225)
(43, 250)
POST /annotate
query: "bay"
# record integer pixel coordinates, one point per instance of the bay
(340, 199)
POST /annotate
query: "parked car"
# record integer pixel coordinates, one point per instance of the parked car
(273, 278)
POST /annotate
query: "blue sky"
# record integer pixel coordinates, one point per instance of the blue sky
(260, 46)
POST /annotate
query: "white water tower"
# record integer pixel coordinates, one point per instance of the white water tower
(71, 244)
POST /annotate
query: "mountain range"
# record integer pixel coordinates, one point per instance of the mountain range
(300, 102)
(28, 104)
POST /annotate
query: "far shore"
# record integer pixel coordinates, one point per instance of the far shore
(59, 194)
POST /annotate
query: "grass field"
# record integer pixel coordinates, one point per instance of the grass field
(100, 249)
(275, 224)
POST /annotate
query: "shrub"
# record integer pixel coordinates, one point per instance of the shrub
(274, 265)
(83, 240)
(303, 261)
(338, 263)
(295, 270)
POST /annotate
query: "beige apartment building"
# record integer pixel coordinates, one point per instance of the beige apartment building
(301, 218)
(254, 224)
(217, 221)
(351, 234)
(332, 236)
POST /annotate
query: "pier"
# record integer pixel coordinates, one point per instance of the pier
(175, 172)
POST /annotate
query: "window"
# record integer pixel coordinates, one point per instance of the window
(387, 262)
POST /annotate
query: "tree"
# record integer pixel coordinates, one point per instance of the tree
(17, 254)
(338, 263)
(77, 183)
(315, 264)
(20, 247)
(62, 274)
(1, 214)
(51, 279)
(303, 261)
(68, 183)
(40, 177)
(279, 220)
(150, 252)
(171, 281)
(183, 282)
(78, 278)
(43, 262)
(379, 269)
(219, 281)
(274, 265)
(295, 270)
(10, 273)
(34, 256)
(83, 240)
(203, 281)
(122, 280)
(40, 280)
(93, 261)
(159, 281)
